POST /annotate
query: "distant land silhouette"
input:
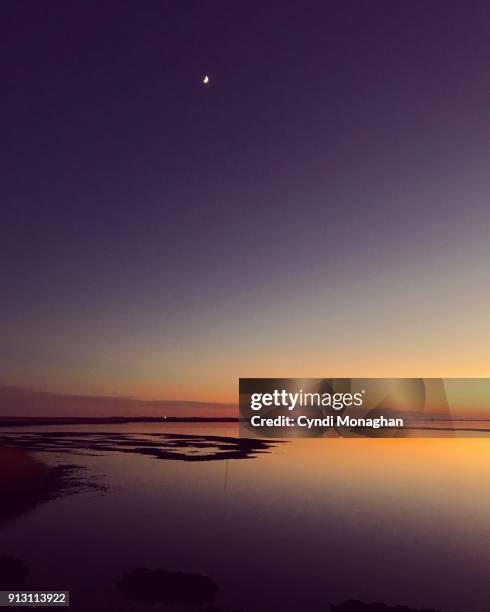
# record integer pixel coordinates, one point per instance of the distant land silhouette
(40, 421)
(23, 402)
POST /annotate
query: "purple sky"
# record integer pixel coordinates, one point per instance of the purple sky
(321, 208)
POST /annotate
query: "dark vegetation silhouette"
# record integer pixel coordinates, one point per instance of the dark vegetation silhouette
(13, 574)
(215, 609)
(26, 482)
(354, 605)
(168, 588)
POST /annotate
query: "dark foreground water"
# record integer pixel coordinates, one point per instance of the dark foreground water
(190, 518)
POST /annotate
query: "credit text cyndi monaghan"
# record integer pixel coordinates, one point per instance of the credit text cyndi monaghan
(327, 421)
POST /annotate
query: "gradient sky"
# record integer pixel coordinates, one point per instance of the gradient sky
(321, 208)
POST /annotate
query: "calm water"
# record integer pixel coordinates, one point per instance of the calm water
(312, 522)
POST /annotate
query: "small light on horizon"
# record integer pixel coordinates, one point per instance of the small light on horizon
(205, 80)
